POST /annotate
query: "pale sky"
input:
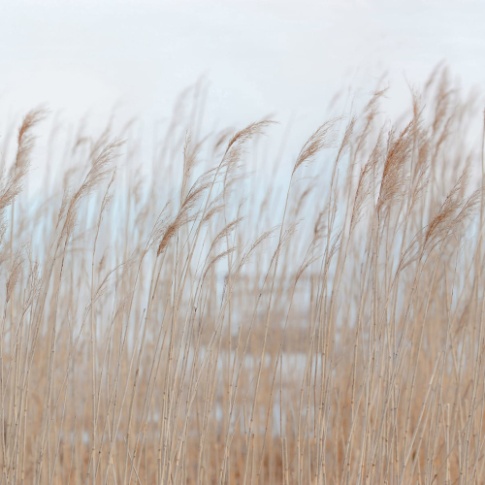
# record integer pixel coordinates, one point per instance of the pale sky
(280, 57)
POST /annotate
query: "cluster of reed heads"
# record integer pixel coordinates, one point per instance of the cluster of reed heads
(172, 317)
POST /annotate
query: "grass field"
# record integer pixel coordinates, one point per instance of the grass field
(173, 318)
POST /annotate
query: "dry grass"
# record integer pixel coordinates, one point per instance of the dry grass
(176, 325)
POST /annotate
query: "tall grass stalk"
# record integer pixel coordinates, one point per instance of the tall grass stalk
(184, 320)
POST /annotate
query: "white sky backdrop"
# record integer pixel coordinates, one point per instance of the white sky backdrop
(286, 58)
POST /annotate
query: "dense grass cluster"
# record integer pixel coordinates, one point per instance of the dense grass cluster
(172, 318)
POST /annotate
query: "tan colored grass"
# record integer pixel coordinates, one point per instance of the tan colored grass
(172, 326)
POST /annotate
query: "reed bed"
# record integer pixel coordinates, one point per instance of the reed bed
(171, 318)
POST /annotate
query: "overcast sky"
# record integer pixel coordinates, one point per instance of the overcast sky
(281, 57)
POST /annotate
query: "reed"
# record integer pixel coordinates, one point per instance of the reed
(181, 320)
